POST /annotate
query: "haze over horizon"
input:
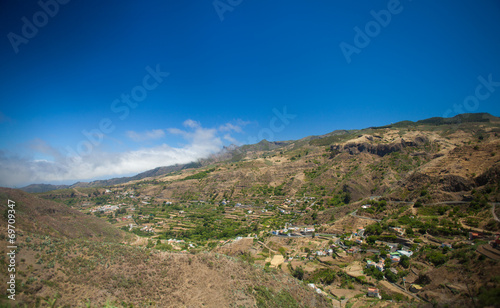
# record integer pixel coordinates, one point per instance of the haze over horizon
(97, 90)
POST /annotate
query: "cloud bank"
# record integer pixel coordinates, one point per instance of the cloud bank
(18, 170)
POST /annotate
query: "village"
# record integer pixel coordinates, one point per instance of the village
(373, 259)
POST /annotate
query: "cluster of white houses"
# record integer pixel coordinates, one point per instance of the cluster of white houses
(108, 208)
(294, 231)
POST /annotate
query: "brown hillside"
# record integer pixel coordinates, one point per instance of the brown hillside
(37, 215)
(77, 260)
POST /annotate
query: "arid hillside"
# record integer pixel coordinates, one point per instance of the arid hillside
(39, 216)
(69, 259)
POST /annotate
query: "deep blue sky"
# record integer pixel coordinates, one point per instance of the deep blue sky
(225, 76)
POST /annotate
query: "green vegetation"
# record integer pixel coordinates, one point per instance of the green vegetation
(373, 272)
(325, 276)
(489, 297)
(390, 275)
(437, 258)
(298, 272)
(199, 175)
(268, 298)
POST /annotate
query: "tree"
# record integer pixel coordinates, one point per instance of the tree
(390, 275)
(409, 231)
(437, 258)
(375, 273)
(404, 261)
(298, 273)
(423, 279)
(374, 229)
(150, 244)
(371, 239)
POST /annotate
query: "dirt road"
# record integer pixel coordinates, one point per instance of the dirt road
(393, 288)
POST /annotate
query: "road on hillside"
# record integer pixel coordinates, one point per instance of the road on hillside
(448, 202)
(265, 246)
(489, 252)
(398, 289)
(493, 211)
(472, 228)
(353, 214)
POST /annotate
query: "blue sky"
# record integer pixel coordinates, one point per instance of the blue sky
(222, 72)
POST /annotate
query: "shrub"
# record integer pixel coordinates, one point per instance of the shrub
(298, 273)
(437, 258)
(404, 261)
(390, 276)
(489, 297)
(323, 275)
(423, 279)
(375, 229)
(375, 273)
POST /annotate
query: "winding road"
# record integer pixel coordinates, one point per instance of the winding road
(493, 211)
(353, 214)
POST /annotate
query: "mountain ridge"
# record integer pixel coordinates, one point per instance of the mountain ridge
(236, 153)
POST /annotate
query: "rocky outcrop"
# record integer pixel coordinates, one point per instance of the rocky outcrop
(455, 183)
(446, 183)
(417, 181)
(380, 149)
(492, 175)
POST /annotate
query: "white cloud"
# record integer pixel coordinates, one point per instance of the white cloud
(236, 127)
(16, 170)
(230, 127)
(231, 139)
(148, 135)
(191, 123)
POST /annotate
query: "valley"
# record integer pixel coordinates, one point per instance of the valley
(404, 215)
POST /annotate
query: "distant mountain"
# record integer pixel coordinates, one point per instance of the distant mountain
(458, 119)
(38, 188)
(150, 173)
